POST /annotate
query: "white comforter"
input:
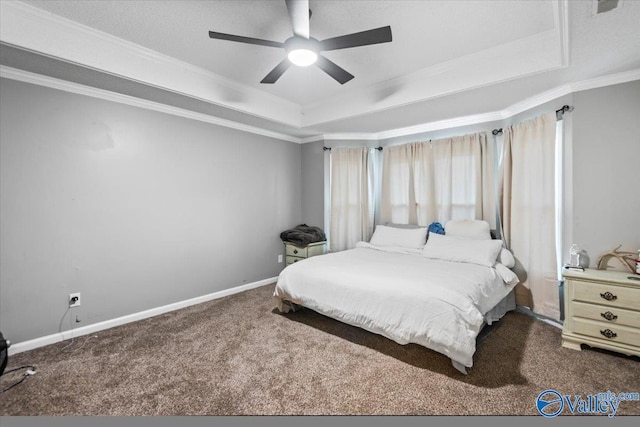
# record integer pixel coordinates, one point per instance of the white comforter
(398, 294)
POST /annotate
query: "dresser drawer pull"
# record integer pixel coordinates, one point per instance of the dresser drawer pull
(609, 333)
(295, 251)
(609, 316)
(609, 296)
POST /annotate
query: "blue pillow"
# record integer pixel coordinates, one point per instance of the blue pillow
(436, 227)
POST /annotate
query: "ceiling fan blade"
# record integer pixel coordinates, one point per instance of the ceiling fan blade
(299, 15)
(278, 71)
(338, 73)
(242, 39)
(363, 38)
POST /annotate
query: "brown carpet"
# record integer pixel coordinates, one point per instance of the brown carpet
(238, 355)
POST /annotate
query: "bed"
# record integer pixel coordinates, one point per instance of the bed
(435, 295)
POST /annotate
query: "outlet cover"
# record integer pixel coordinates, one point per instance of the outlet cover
(280, 259)
(76, 302)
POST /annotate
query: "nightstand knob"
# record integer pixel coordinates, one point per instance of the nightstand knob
(609, 316)
(295, 251)
(609, 296)
(609, 333)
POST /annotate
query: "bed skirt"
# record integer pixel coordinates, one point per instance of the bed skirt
(508, 303)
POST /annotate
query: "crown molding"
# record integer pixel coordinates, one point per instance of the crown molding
(442, 124)
(50, 82)
(534, 101)
(540, 52)
(562, 24)
(506, 113)
(29, 28)
(34, 29)
(473, 71)
(510, 111)
(608, 80)
(352, 136)
(313, 138)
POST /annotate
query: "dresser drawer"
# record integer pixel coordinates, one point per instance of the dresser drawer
(618, 333)
(609, 315)
(603, 294)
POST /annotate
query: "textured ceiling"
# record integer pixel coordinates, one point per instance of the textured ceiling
(423, 35)
(448, 58)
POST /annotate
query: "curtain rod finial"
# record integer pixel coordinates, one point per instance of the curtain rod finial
(564, 109)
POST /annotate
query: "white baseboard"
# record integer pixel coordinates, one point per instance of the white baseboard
(89, 329)
(529, 312)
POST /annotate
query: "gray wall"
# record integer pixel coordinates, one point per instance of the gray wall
(606, 169)
(133, 208)
(136, 209)
(313, 184)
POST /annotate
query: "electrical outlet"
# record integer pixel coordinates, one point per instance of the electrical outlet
(280, 259)
(74, 300)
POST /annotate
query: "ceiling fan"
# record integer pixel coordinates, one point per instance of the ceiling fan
(303, 50)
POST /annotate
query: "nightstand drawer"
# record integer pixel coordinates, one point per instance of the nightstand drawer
(607, 332)
(296, 251)
(609, 315)
(293, 260)
(600, 293)
(308, 251)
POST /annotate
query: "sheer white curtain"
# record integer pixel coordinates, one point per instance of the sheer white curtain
(451, 178)
(352, 206)
(486, 181)
(398, 197)
(527, 202)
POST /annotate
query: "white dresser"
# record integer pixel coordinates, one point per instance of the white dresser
(297, 253)
(602, 309)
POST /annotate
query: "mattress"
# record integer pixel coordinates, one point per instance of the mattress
(399, 294)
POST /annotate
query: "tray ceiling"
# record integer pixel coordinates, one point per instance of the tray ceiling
(439, 49)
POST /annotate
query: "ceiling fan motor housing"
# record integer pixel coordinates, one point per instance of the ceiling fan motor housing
(297, 42)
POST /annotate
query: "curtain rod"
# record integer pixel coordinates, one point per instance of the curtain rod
(559, 114)
(329, 148)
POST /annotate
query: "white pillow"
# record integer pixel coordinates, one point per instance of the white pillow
(400, 237)
(507, 275)
(446, 248)
(468, 229)
(506, 257)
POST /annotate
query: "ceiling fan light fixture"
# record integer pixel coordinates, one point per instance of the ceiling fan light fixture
(302, 57)
(302, 52)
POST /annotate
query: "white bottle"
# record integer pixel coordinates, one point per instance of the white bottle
(574, 255)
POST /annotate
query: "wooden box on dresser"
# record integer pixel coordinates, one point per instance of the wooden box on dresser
(602, 309)
(298, 253)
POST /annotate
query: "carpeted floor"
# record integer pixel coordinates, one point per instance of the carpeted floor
(238, 355)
